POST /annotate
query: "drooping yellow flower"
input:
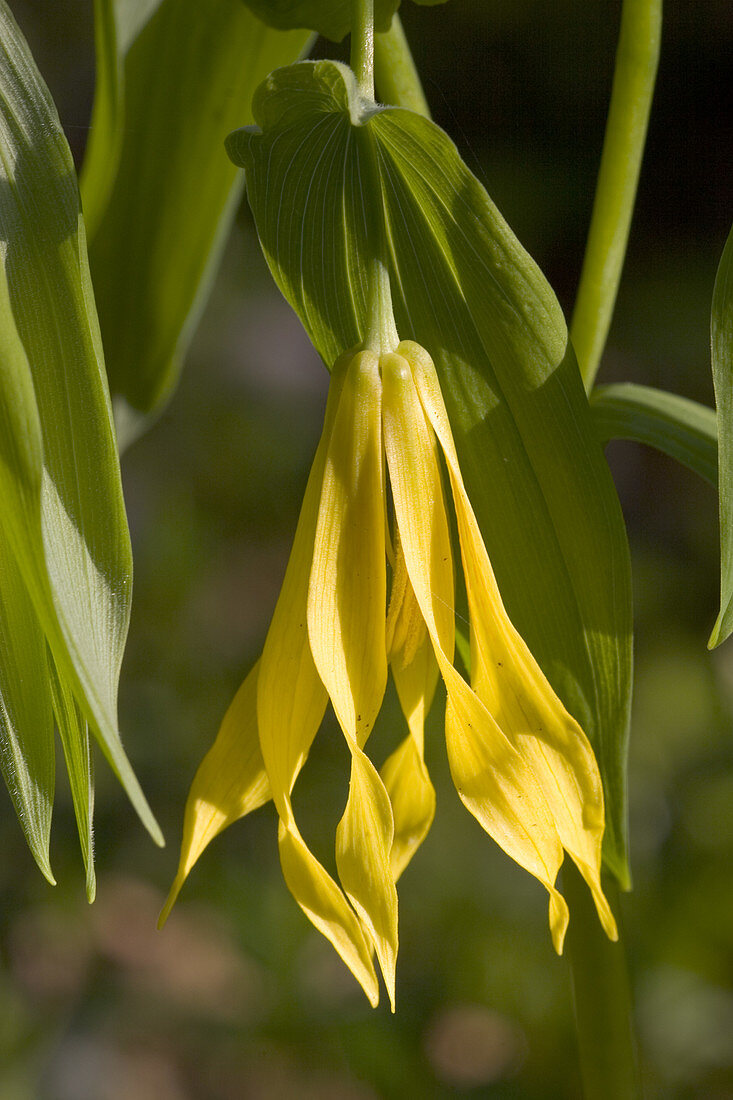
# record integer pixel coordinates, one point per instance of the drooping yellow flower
(520, 762)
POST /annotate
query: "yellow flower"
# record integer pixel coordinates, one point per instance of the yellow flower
(520, 762)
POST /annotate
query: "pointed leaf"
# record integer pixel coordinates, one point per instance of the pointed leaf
(722, 352)
(466, 290)
(65, 517)
(26, 718)
(74, 733)
(159, 226)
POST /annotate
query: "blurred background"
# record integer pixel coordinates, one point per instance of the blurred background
(239, 997)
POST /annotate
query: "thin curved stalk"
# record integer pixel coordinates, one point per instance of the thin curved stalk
(631, 96)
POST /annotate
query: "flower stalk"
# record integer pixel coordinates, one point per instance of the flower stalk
(637, 58)
(362, 46)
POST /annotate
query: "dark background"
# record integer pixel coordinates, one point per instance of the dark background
(239, 997)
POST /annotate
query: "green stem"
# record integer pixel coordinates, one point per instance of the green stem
(362, 46)
(633, 86)
(602, 997)
(397, 77)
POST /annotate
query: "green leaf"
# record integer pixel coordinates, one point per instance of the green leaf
(188, 75)
(331, 18)
(26, 719)
(74, 732)
(680, 428)
(722, 357)
(465, 289)
(63, 514)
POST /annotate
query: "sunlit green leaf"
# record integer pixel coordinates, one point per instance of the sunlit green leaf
(466, 290)
(188, 78)
(722, 353)
(682, 429)
(63, 514)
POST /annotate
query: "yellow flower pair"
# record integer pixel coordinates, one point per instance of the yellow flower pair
(520, 762)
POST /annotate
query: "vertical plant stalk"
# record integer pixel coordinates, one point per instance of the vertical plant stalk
(635, 73)
(362, 45)
(398, 82)
(601, 996)
(381, 335)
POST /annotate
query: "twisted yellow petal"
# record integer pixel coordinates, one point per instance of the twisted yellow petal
(291, 701)
(494, 781)
(511, 684)
(415, 673)
(230, 782)
(346, 609)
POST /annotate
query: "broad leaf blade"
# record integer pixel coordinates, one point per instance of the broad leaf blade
(466, 290)
(189, 76)
(722, 356)
(67, 528)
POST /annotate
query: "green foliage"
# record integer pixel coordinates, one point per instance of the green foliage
(161, 191)
(722, 355)
(328, 177)
(65, 559)
(331, 18)
(672, 424)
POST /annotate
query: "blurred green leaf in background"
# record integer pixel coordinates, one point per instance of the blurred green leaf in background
(173, 78)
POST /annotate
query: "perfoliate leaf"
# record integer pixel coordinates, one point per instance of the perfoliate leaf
(680, 428)
(722, 353)
(63, 517)
(464, 289)
(161, 221)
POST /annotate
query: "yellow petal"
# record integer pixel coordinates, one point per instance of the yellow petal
(493, 780)
(509, 681)
(412, 795)
(291, 701)
(348, 583)
(231, 781)
(326, 907)
(363, 845)
(415, 673)
(346, 607)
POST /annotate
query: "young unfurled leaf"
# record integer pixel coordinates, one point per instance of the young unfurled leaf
(465, 289)
(62, 520)
(722, 352)
(185, 73)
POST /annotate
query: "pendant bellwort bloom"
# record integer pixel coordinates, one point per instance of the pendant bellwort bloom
(521, 764)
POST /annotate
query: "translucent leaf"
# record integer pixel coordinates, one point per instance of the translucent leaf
(63, 513)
